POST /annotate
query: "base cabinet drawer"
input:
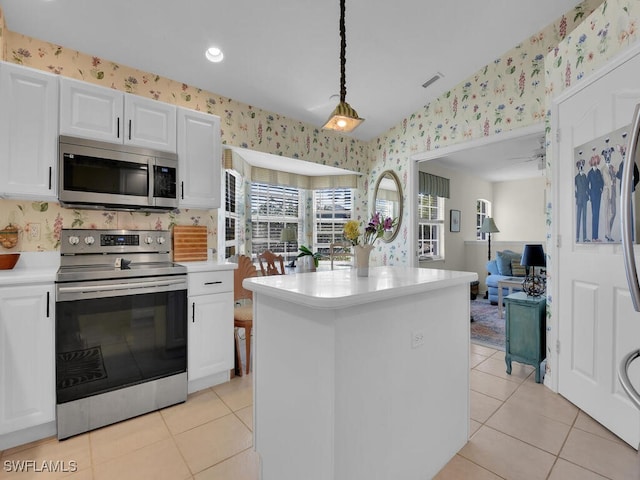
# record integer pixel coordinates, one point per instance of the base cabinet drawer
(205, 283)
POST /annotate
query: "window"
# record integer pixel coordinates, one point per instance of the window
(483, 210)
(273, 208)
(231, 181)
(332, 210)
(430, 227)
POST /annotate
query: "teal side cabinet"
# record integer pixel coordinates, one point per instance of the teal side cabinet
(525, 330)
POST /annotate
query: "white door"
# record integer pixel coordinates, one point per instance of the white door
(91, 111)
(28, 132)
(210, 335)
(149, 123)
(200, 156)
(27, 367)
(597, 325)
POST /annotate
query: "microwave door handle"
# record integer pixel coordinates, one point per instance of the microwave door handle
(627, 214)
(152, 173)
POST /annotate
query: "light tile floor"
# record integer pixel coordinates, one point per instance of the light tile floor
(519, 430)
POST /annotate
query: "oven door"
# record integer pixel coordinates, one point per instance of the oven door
(116, 333)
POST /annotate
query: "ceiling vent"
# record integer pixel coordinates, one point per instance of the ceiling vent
(432, 80)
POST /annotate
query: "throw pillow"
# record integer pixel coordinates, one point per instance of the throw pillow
(503, 260)
(518, 270)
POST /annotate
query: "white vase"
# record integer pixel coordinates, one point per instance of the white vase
(305, 263)
(362, 253)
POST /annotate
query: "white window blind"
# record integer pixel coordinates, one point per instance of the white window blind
(231, 214)
(430, 227)
(483, 210)
(273, 208)
(333, 208)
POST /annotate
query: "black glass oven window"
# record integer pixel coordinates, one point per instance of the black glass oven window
(101, 175)
(108, 343)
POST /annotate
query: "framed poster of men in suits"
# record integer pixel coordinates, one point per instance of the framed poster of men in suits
(598, 170)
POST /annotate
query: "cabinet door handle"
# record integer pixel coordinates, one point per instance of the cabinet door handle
(129, 129)
(117, 127)
(193, 312)
(48, 301)
(50, 174)
(182, 190)
(217, 282)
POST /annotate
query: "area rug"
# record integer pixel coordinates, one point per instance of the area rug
(487, 328)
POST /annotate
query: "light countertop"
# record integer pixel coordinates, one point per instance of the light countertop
(32, 267)
(343, 288)
(208, 266)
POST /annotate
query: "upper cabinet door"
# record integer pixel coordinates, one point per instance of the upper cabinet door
(99, 113)
(200, 157)
(150, 123)
(90, 111)
(28, 132)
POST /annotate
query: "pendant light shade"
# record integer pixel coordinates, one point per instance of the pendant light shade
(344, 118)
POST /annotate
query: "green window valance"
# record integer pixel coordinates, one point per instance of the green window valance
(429, 184)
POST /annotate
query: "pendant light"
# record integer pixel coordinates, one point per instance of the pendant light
(344, 118)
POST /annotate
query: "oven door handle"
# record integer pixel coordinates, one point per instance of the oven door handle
(151, 285)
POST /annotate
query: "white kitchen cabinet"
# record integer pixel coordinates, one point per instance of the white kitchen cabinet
(99, 113)
(28, 132)
(210, 331)
(200, 157)
(27, 359)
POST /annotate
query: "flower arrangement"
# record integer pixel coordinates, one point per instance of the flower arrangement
(376, 227)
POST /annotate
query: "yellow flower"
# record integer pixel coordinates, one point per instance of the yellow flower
(352, 231)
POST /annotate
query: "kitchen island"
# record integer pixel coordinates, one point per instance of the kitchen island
(360, 377)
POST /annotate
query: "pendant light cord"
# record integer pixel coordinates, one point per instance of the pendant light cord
(343, 54)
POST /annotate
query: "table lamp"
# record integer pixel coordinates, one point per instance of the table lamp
(489, 226)
(533, 256)
(288, 234)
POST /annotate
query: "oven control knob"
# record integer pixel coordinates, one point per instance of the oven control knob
(160, 240)
(89, 240)
(148, 240)
(73, 240)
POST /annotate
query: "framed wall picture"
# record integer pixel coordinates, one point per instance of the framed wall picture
(454, 220)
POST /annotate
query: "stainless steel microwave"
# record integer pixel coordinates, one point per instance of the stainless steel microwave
(96, 174)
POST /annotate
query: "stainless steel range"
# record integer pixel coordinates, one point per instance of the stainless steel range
(121, 327)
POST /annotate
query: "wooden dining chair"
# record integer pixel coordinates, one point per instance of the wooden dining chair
(243, 306)
(269, 262)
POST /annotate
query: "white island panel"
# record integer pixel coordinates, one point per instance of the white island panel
(342, 391)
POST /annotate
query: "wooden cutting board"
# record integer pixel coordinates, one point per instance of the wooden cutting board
(189, 243)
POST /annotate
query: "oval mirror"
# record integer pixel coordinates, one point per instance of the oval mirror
(387, 199)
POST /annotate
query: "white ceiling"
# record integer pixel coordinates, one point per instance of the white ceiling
(514, 155)
(284, 56)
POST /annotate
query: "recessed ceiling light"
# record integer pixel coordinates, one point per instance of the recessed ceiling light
(214, 54)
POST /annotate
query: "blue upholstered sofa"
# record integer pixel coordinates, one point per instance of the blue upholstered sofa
(506, 264)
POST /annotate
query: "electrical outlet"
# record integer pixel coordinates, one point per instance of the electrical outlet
(417, 339)
(34, 231)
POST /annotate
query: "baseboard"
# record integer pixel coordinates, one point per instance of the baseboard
(28, 435)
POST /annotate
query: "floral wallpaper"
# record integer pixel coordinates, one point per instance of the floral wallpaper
(507, 94)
